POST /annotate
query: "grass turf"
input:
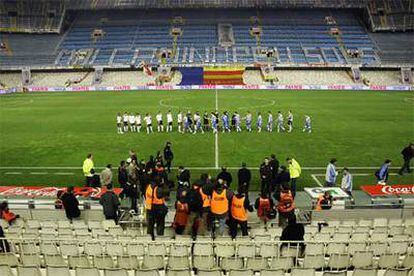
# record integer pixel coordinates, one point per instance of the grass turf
(359, 128)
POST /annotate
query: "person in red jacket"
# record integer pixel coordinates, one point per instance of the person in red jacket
(6, 214)
(286, 205)
(264, 206)
(181, 214)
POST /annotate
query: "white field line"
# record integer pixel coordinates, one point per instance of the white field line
(316, 180)
(216, 142)
(64, 173)
(12, 173)
(38, 173)
(191, 168)
(355, 174)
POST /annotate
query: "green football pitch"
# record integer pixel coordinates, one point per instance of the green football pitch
(44, 137)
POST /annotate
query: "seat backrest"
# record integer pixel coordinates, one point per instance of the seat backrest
(178, 272)
(272, 272)
(87, 272)
(241, 272)
(61, 271)
(115, 272)
(364, 272)
(396, 272)
(303, 272)
(147, 272)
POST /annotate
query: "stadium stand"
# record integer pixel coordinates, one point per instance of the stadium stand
(391, 15)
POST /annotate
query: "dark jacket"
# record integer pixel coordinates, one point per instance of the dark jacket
(194, 200)
(110, 204)
(265, 173)
(71, 205)
(407, 153)
(184, 176)
(293, 232)
(244, 176)
(274, 166)
(122, 177)
(225, 175)
(168, 154)
(4, 244)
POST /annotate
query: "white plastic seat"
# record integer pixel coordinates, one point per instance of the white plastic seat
(359, 237)
(114, 249)
(246, 250)
(396, 272)
(153, 262)
(103, 262)
(28, 248)
(157, 249)
(408, 261)
(231, 263)
(378, 248)
(340, 237)
(268, 250)
(93, 224)
(314, 261)
(315, 248)
(31, 260)
(106, 224)
(365, 272)
(135, 249)
(328, 229)
(224, 250)
(128, 262)
(69, 248)
(48, 248)
(53, 271)
(395, 221)
(322, 237)
(272, 272)
(179, 250)
(398, 247)
(79, 224)
(178, 262)
(335, 248)
(241, 272)
(54, 260)
(396, 230)
(380, 222)
(93, 248)
(203, 249)
(25, 271)
(334, 273)
(204, 262)
(355, 247)
(210, 272)
(115, 231)
(8, 259)
(378, 237)
(256, 263)
(91, 271)
(350, 223)
(33, 224)
(285, 263)
(338, 261)
(362, 229)
(302, 272)
(388, 261)
(178, 272)
(262, 238)
(362, 259)
(79, 261)
(64, 224)
(115, 272)
(6, 271)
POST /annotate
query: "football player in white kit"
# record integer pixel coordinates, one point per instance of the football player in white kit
(290, 121)
(169, 121)
(160, 126)
(131, 120)
(148, 121)
(270, 122)
(280, 126)
(125, 119)
(248, 119)
(180, 122)
(138, 122)
(237, 121)
(119, 123)
(308, 124)
(197, 123)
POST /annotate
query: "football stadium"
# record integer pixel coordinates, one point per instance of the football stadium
(206, 137)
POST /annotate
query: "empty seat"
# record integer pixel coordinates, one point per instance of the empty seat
(398, 247)
(388, 261)
(103, 262)
(78, 261)
(396, 272)
(147, 272)
(26, 271)
(115, 272)
(302, 272)
(93, 248)
(6, 271)
(28, 248)
(114, 249)
(31, 260)
(53, 271)
(178, 272)
(285, 263)
(256, 263)
(48, 248)
(356, 247)
(378, 248)
(272, 272)
(153, 262)
(54, 260)
(313, 248)
(408, 261)
(8, 259)
(178, 262)
(209, 272)
(365, 272)
(224, 250)
(92, 271)
(338, 261)
(335, 248)
(246, 250)
(157, 249)
(135, 249)
(334, 273)
(69, 248)
(241, 272)
(314, 261)
(128, 262)
(231, 263)
(362, 259)
(204, 262)
(203, 249)
(178, 250)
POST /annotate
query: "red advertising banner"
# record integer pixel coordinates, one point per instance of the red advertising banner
(51, 192)
(384, 190)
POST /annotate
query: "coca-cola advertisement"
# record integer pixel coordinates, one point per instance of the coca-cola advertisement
(383, 190)
(51, 192)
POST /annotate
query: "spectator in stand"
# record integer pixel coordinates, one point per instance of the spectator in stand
(324, 202)
(123, 178)
(282, 178)
(6, 214)
(244, 177)
(195, 208)
(264, 206)
(293, 232)
(408, 154)
(168, 156)
(265, 175)
(294, 171)
(226, 176)
(110, 203)
(155, 195)
(382, 173)
(331, 173)
(88, 170)
(347, 182)
(106, 176)
(181, 214)
(4, 244)
(286, 205)
(220, 200)
(70, 203)
(239, 206)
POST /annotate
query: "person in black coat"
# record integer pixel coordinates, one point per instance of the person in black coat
(274, 165)
(244, 177)
(195, 208)
(225, 175)
(293, 232)
(408, 154)
(123, 179)
(283, 177)
(183, 175)
(70, 203)
(265, 176)
(4, 244)
(168, 156)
